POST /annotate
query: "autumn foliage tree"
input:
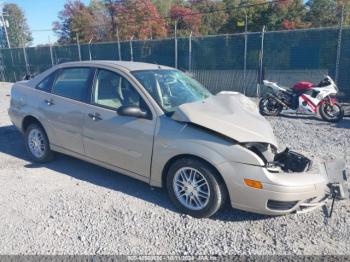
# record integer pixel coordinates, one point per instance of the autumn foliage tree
(187, 20)
(108, 19)
(288, 14)
(139, 19)
(74, 19)
(105, 20)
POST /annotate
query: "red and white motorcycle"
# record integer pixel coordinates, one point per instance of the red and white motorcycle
(305, 98)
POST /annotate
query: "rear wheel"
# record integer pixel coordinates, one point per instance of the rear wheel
(269, 106)
(331, 112)
(195, 188)
(37, 144)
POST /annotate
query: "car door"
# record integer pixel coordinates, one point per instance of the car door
(121, 141)
(63, 107)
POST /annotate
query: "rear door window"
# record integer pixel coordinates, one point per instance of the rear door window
(73, 83)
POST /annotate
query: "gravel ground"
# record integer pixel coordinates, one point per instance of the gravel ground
(72, 207)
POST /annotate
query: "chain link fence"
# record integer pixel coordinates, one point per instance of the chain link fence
(236, 62)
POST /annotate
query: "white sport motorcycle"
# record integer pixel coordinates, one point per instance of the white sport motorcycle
(304, 97)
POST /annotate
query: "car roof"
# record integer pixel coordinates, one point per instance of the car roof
(128, 65)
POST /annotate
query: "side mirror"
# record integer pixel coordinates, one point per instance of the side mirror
(134, 111)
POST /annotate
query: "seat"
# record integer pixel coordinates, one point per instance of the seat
(107, 93)
(130, 95)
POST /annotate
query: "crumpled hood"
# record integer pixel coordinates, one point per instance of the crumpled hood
(231, 114)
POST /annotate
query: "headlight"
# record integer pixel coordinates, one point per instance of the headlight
(265, 151)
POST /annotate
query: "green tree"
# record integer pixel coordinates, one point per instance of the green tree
(18, 30)
(325, 13)
(164, 6)
(288, 14)
(322, 13)
(257, 11)
(3, 41)
(212, 22)
(101, 22)
(111, 11)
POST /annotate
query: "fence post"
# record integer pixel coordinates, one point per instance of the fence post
(261, 57)
(340, 36)
(79, 51)
(2, 66)
(26, 60)
(51, 54)
(190, 53)
(175, 39)
(90, 56)
(13, 62)
(118, 40)
(245, 54)
(131, 51)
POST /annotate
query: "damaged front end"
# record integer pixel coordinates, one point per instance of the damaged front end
(337, 181)
(287, 161)
(337, 186)
(265, 180)
(290, 161)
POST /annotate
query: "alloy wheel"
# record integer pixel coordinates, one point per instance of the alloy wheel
(191, 188)
(36, 143)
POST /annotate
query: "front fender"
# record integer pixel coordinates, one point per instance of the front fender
(326, 100)
(173, 139)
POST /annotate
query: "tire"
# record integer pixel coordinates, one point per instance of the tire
(329, 117)
(37, 144)
(268, 106)
(200, 205)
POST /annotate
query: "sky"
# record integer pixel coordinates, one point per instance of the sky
(40, 14)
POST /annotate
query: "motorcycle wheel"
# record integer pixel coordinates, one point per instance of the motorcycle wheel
(268, 106)
(331, 113)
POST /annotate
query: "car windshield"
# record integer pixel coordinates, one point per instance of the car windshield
(171, 88)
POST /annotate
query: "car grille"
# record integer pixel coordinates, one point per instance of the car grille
(281, 205)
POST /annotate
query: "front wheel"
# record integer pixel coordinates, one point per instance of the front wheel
(331, 112)
(195, 187)
(269, 106)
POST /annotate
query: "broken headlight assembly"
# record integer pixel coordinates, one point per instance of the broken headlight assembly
(287, 160)
(291, 161)
(265, 151)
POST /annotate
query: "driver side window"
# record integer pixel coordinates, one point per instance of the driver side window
(111, 90)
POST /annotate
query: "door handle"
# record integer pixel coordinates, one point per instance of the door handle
(95, 116)
(49, 102)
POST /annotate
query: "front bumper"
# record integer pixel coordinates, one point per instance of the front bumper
(281, 193)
